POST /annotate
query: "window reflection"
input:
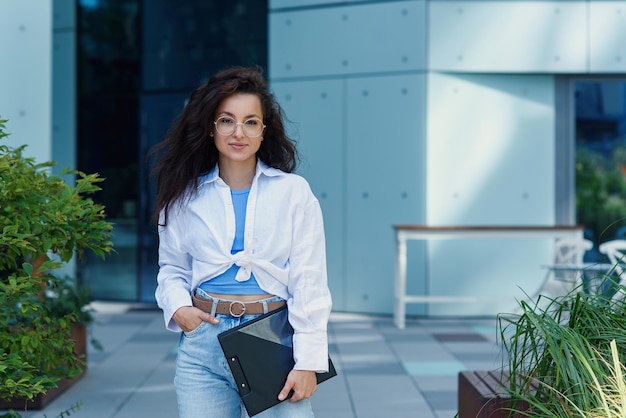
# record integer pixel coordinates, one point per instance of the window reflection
(601, 158)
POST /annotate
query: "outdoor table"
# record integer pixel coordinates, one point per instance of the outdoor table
(405, 233)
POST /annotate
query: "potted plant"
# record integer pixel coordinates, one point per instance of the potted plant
(563, 355)
(44, 223)
(610, 395)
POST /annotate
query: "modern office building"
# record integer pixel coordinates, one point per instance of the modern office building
(431, 112)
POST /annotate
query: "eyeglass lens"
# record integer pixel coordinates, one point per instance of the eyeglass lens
(251, 127)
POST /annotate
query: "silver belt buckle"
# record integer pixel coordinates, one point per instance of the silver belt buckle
(230, 308)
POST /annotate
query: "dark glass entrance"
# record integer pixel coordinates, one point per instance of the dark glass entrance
(137, 63)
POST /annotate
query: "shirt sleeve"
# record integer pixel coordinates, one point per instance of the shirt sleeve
(310, 301)
(175, 273)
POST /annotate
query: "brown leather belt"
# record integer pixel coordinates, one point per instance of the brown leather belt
(235, 308)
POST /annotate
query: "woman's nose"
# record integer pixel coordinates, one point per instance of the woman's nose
(239, 130)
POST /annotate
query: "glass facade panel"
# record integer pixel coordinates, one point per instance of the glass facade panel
(137, 63)
(600, 122)
(108, 92)
(185, 42)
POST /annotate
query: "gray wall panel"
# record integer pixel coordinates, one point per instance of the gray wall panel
(385, 181)
(607, 36)
(380, 37)
(508, 36)
(315, 109)
(491, 149)
(491, 161)
(26, 75)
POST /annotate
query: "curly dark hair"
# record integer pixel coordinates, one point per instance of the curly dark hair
(188, 151)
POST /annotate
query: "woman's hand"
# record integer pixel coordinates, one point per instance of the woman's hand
(302, 382)
(189, 318)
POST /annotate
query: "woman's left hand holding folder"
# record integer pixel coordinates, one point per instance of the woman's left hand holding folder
(303, 383)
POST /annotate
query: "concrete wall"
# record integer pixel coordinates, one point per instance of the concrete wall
(353, 80)
(440, 113)
(26, 75)
(38, 78)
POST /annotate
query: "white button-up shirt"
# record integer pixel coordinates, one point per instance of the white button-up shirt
(284, 247)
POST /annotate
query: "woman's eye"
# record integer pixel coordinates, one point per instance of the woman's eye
(226, 121)
(251, 122)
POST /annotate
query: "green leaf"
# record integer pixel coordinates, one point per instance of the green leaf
(28, 268)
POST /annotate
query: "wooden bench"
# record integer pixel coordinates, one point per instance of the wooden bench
(484, 394)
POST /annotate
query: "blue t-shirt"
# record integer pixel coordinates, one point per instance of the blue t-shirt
(225, 283)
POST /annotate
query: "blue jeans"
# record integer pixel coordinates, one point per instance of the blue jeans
(205, 387)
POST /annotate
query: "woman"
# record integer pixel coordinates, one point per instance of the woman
(239, 235)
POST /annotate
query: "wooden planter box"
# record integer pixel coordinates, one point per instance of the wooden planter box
(484, 394)
(79, 335)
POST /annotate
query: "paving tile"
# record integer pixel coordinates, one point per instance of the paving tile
(431, 351)
(483, 365)
(442, 399)
(366, 358)
(369, 368)
(436, 383)
(474, 347)
(332, 399)
(409, 337)
(446, 413)
(397, 411)
(364, 345)
(433, 368)
(474, 356)
(458, 337)
(489, 331)
(386, 395)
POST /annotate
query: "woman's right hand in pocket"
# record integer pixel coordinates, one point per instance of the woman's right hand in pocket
(189, 318)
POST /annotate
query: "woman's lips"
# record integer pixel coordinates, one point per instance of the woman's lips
(237, 146)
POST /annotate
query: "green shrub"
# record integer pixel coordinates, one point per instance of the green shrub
(44, 222)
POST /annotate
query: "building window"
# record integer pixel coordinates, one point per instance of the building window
(108, 50)
(600, 137)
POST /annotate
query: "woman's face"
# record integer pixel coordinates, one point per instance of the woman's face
(238, 128)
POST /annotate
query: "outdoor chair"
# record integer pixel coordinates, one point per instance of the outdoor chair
(615, 251)
(565, 274)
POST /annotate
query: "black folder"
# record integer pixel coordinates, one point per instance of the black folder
(260, 355)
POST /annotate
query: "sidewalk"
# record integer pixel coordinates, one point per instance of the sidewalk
(384, 372)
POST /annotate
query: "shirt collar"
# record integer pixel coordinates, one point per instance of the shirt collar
(261, 168)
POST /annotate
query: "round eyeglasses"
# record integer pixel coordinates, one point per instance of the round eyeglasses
(252, 127)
